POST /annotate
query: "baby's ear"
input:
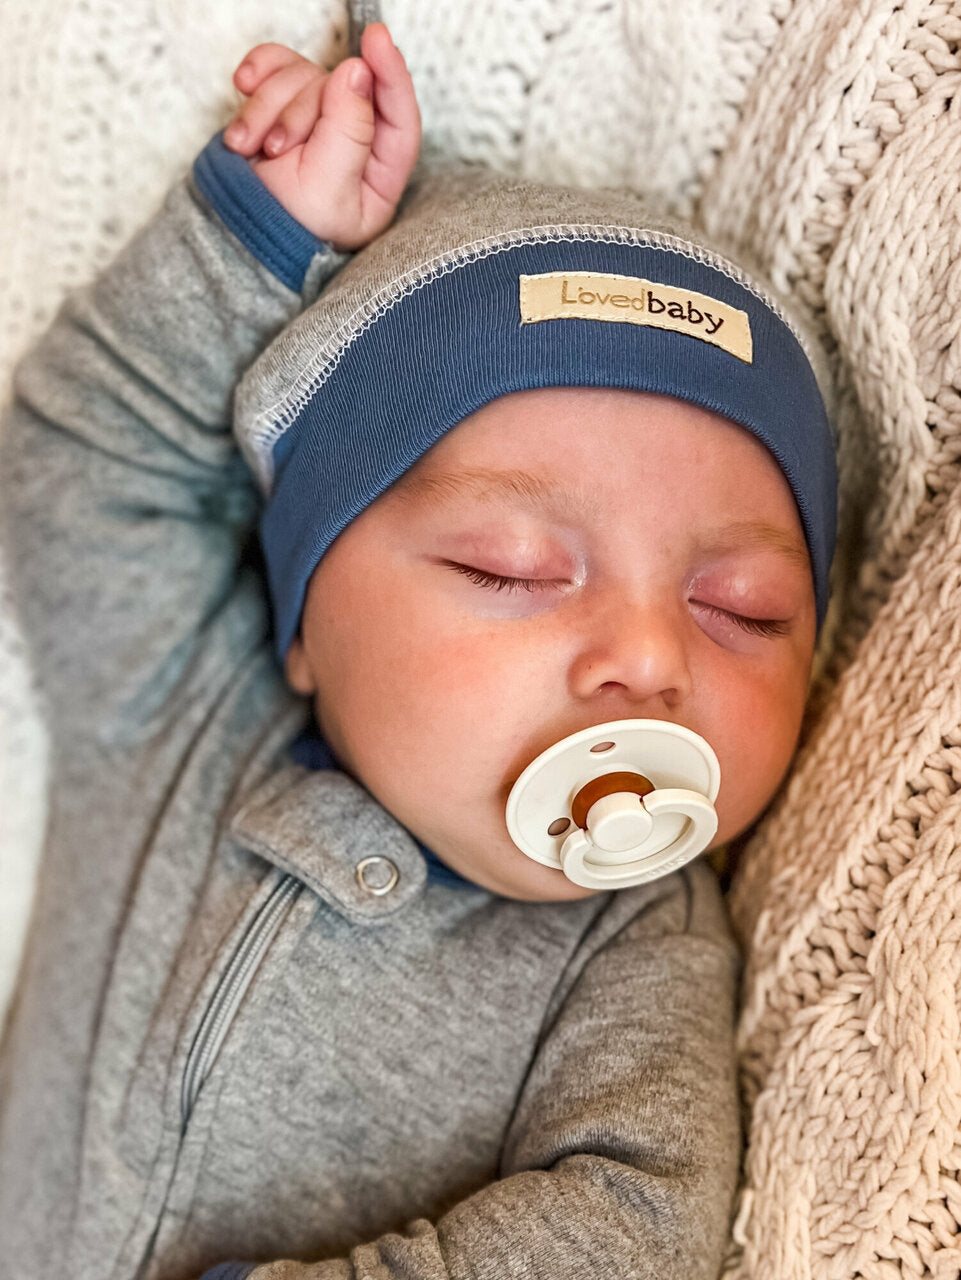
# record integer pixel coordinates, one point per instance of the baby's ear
(297, 669)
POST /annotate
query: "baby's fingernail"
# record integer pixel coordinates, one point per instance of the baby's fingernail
(361, 80)
(235, 133)
(275, 139)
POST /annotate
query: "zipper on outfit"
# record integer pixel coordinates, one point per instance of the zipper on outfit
(231, 989)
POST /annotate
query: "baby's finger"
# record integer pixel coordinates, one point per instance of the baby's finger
(256, 117)
(340, 142)
(296, 121)
(260, 62)
(398, 126)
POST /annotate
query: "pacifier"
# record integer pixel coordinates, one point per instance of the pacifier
(618, 803)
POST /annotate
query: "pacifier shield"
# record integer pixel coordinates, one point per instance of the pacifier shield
(577, 804)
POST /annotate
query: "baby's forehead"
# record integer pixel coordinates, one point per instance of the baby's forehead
(519, 441)
(603, 458)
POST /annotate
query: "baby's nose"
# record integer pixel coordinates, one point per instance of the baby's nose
(632, 653)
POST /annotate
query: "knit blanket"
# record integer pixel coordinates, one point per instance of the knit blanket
(824, 135)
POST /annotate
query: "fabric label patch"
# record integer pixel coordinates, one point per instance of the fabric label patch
(629, 300)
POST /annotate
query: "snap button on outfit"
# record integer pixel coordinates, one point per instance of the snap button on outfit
(377, 875)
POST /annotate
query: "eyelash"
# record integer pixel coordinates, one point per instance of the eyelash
(754, 626)
(496, 582)
(768, 627)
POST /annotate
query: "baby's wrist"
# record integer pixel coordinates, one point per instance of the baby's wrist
(247, 207)
(332, 227)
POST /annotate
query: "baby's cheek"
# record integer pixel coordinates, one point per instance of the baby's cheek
(477, 668)
(756, 726)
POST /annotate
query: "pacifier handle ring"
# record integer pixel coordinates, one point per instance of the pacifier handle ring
(702, 818)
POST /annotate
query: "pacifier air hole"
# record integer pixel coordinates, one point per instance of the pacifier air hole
(560, 825)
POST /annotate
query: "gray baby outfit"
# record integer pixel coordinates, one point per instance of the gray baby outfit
(229, 1043)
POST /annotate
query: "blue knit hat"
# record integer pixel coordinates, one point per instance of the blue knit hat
(483, 286)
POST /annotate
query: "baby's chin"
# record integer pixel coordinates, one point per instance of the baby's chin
(558, 889)
(514, 875)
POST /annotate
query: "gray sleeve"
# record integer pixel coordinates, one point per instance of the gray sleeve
(623, 1155)
(124, 502)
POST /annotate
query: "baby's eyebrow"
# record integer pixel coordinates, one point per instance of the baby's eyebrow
(748, 535)
(482, 482)
(540, 494)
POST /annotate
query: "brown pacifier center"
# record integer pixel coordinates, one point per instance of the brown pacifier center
(607, 785)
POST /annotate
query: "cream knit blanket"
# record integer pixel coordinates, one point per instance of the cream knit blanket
(826, 135)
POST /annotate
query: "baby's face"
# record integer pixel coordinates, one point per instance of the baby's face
(561, 558)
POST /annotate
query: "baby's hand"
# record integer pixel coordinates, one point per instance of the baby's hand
(335, 149)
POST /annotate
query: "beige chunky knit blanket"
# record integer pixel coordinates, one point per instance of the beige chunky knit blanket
(825, 135)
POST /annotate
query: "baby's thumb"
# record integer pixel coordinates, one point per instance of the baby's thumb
(340, 143)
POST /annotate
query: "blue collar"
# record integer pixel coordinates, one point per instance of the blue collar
(312, 751)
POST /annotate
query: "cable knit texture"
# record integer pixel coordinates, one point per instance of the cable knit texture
(826, 136)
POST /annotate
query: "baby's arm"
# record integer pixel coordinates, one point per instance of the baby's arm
(125, 502)
(622, 1156)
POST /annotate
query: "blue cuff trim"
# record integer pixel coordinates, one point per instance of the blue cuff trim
(230, 1271)
(253, 214)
